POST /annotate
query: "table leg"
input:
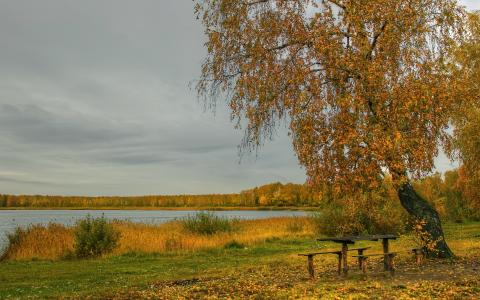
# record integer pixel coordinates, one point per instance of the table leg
(364, 267)
(391, 265)
(386, 264)
(344, 256)
(311, 269)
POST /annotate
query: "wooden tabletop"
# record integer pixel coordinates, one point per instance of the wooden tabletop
(353, 239)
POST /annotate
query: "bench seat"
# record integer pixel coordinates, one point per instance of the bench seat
(311, 268)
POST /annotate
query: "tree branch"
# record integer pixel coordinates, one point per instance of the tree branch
(375, 40)
(338, 4)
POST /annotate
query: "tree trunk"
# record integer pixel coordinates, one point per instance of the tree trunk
(421, 210)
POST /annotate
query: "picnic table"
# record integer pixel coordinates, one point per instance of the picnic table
(346, 240)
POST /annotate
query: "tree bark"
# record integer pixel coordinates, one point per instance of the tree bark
(420, 209)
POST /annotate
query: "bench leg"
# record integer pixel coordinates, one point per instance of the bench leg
(360, 252)
(339, 267)
(391, 264)
(386, 264)
(344, 257)
(419, 256)
(363, 265)
(310, 267)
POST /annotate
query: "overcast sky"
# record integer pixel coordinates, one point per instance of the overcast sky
(94, 100)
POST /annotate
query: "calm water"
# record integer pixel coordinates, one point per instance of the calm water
(10, 219)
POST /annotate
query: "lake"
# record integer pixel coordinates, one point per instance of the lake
(10, 219)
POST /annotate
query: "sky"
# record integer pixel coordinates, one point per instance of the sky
(95, 100)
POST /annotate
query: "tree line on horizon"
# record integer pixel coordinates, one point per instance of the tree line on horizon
(453, 194)
(275, 194)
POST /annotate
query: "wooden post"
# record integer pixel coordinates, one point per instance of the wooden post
(391, 264)
(419, 255)
(363, 265)
(311, 269)
(339, 269)
(385, 257)
(344, 256)
(360, 253)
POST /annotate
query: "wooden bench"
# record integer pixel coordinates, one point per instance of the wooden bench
(311, 268)
(388, 258)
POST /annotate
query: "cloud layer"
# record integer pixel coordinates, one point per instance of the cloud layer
(94, 100)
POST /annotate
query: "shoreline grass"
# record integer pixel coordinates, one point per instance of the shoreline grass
(193, 208)
(56, 242)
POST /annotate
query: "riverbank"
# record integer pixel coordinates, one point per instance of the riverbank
(182, 208)
(269, 269)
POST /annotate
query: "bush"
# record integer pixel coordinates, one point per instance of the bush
(377, 212)
(95, 237)
(208, 223)
(234, 245)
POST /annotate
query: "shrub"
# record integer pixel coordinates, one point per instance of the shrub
(234, 245)
(208, 223)
(377, 212)
(94, 237)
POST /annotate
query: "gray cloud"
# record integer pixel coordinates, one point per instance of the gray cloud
(15, 180)
(33, 124)
(94, 99)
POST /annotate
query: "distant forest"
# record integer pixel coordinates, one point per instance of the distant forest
(452, 194)
(275, 194)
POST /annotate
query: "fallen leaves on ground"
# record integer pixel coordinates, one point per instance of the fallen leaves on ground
(288, 279)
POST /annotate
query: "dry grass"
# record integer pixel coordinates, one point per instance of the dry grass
(40, 242)
(55, 241)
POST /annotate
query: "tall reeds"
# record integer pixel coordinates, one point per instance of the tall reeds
(56, 241)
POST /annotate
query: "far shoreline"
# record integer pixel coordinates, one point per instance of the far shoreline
(170, 208)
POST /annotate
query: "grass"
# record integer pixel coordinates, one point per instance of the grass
(267, 268)
(54, 241)
(197, 208)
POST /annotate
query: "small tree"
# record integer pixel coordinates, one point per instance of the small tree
(365, 85)
(94, 237)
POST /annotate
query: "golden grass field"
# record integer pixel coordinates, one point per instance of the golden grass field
(54, 242)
